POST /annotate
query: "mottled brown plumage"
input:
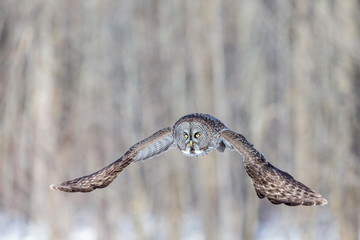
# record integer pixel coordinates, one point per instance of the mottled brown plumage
(195, 135)
(150, 147)
(269, 181)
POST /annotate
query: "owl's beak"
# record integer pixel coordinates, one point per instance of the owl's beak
(191, 143)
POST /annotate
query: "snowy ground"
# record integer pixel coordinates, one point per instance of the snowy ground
(16, 229)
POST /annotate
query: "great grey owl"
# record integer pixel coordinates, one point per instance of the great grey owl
(195, 135)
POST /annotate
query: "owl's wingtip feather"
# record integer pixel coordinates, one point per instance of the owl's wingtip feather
(315, 202)
(322, 202)
(53, 186)
(60, 187)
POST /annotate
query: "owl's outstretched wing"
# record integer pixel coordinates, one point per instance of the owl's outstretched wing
(276, 185)
(152, 146)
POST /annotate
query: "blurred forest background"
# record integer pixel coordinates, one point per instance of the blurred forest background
(82, 81)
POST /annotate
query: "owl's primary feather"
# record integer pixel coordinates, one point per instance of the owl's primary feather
(276, 185)
(195, 135)
(150, 147)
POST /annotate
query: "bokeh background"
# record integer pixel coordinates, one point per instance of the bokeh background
(82, 81)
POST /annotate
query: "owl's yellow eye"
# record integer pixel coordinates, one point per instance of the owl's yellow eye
(197, 135)
(186, 136)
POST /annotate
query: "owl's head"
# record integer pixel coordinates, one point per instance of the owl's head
(196, 134)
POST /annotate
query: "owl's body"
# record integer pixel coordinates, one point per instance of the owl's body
(207, 126)
(196, 135)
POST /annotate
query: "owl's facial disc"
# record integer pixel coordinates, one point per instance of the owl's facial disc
(191, 138)
(192, 148)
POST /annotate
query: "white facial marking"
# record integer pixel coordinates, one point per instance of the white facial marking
(195, 153)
